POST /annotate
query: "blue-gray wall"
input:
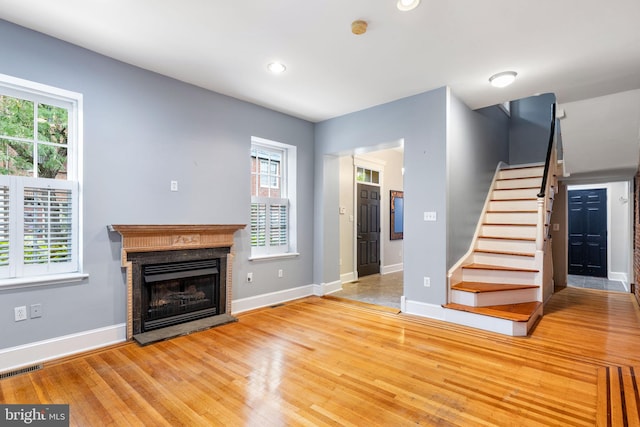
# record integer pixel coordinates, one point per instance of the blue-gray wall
(421, 121)
(450, 156)
(142, 130)
(477, 142)
(529, 129)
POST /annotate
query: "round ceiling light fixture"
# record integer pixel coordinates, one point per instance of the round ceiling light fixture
(503, 79)
(276, 67)
(406, 5)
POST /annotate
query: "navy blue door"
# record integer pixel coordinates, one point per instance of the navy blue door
(588, 232)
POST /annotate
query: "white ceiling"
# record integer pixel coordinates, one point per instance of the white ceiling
(577, 49)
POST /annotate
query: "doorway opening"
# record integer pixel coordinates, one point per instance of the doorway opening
(599, 230)
(371, 262)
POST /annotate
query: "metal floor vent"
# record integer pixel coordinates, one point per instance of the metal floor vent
(26, 370)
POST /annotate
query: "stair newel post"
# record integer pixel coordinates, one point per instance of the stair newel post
(541, 223)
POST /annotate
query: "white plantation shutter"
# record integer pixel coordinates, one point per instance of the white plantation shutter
(278, 225)
(269, 226)
(258, 224)
(4, 227)
(37, 233)
(48, 219)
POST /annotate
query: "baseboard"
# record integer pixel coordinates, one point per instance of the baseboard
(348, 277)
(265, 300)
(623, 277)
(394, 268)
(37, 352)
(327, 288)
(432, 311)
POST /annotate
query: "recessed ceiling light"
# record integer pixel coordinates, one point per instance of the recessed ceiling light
(276, 67)
(503, 79)
(405, 5)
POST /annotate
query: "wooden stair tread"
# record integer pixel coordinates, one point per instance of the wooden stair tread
(509, 224)
(498, 268)
(489, 251)
(515, 312)
(528, 239)
(480, 287)
(514, 199)
(520, 177)
(513, 168)
(512, 212)
(516, 188)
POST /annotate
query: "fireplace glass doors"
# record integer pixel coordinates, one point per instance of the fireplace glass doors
(179, 292)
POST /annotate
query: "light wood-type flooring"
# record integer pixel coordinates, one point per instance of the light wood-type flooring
(322, 361)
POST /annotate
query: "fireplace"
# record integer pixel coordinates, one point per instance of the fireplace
(178, 278)
(174, 287)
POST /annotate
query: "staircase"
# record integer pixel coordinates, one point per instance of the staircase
(497, 286)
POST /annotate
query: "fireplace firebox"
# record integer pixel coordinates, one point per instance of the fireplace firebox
(179, 292)
(174, 287)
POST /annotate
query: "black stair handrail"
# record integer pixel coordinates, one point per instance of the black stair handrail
(552, 132)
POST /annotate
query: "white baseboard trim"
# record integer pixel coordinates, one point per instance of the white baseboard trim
(386, 269)
(623, 277)
(265, 300)
(37, 352)
(348, 277)
(432, 311)
(327, 288)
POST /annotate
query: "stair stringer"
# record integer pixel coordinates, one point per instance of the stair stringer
(454, 275)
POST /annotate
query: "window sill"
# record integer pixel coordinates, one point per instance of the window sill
(274, 256)
(54, 279)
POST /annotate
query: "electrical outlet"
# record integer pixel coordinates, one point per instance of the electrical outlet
(249, 277)
(36, 310)
(430, 216)
(280, 273)
(20, 313)
(174, 185)
(427, 281)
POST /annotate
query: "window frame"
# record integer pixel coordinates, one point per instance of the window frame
(287, 188)
(73, 103)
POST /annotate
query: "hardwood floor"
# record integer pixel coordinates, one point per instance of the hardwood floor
(321, 361)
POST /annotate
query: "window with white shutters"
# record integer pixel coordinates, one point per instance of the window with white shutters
(272, 198)
(39, 181)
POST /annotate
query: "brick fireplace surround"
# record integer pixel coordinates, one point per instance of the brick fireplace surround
(152, 238)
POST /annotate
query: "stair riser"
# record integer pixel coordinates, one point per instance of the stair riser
(487, 323)
(504, 260)
(521, 193)
(513, 205)
(506, 245)
(512, 231)
(511, 218)
(485, 299)
(521, 173)
(498, 276)
(518, 183)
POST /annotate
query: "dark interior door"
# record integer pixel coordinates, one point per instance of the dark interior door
(588, 232)
(368, 230)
